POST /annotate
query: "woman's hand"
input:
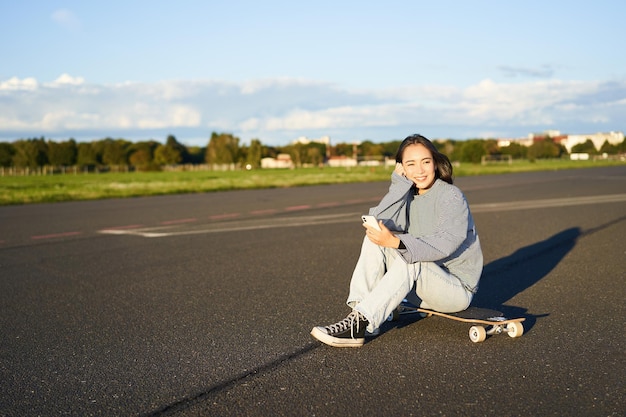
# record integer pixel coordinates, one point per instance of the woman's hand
(383, 237)
(400, 169)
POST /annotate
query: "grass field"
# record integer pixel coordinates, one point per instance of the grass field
(70, 187)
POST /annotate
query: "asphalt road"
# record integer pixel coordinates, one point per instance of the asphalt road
(202, 304)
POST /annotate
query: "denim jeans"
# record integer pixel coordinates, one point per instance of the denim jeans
(382, 279)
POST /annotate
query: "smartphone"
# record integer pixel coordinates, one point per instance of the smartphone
(370, 221)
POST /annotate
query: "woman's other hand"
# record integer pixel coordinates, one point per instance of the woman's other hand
(383, 237)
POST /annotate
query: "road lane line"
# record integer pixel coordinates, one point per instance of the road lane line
(328, 205)
(262, 212)
(179, 221)
(224, 216)
(130, 226)
(253, 224)
(551, 202)
(296, 208)
(301, 221)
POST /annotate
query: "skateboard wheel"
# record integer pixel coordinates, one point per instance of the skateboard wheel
(477, 334)
(394, 316)
(515, 329)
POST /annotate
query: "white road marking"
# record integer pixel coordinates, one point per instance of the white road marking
(260, 224)
(551, 202)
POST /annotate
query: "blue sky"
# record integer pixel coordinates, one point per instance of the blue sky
(278, 70)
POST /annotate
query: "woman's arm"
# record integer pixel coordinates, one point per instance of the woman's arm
(392, 208)
(450, 231)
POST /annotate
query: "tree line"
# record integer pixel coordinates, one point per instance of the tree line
(225, 149)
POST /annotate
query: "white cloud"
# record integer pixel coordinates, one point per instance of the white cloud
(8, 124)
(283, 109)
(66, 19)
(15, 83)
(149, 116)
(66, 79)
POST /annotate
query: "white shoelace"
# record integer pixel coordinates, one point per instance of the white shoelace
(346, 323)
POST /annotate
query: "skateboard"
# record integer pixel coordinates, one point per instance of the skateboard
(485, 322)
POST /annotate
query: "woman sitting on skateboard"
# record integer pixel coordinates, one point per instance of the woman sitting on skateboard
(427, 241)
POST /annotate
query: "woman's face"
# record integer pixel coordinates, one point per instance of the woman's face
(419, 166)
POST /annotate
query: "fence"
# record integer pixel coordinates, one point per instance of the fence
(496, 159)
(76, 170)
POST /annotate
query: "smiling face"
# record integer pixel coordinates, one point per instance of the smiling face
(419, 166)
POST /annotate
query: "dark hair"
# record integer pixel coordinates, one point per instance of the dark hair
(443, 167)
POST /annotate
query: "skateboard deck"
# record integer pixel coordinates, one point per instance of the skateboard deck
(486, 322)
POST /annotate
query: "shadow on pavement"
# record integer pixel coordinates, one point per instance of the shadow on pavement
(506, 277)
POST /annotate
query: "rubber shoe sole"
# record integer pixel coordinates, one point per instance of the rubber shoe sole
(324, 337)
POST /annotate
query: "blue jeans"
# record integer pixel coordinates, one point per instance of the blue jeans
(382, 279)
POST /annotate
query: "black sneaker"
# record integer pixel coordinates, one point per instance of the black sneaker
(349, 332)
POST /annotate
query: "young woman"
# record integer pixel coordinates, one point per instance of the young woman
(427, 245)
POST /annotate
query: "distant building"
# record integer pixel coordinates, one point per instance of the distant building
(555, 135)
(579, 156)
(504, 142)
(546, 133)
(342, 161)
(568, 141)
(282, 160)
(598, 139)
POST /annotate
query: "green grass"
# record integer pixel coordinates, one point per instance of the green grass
(71, 187)
(523, 165)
